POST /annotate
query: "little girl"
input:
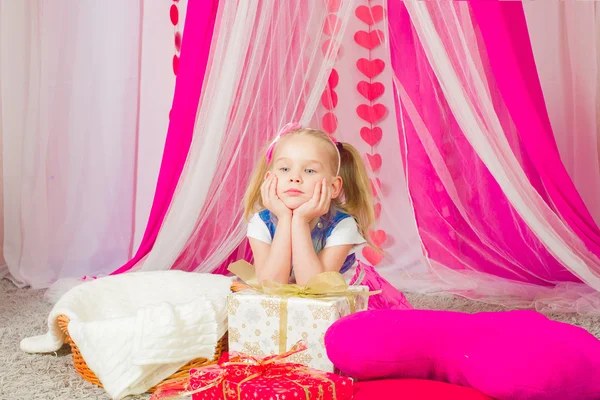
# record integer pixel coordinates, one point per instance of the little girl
(311, 205)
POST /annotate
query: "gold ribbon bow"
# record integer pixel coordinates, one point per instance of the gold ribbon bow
(323, 286)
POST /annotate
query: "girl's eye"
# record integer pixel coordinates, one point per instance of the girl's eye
(310, 171)
(284, 169)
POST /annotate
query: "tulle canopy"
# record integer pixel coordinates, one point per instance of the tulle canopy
(477, 120)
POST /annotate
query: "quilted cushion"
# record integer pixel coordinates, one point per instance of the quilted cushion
(505, 355)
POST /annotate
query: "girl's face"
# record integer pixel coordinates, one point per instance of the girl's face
(300, 162)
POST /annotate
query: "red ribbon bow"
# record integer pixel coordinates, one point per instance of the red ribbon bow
(236, 365)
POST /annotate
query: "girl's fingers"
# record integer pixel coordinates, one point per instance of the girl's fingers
(325, 197)
(272, 187)
(317, 194)
(321, 190)
(265, 190)
(262, 190)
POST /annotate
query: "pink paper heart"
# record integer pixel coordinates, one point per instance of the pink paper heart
(370, 68)
(371, 114)
(375, 161)
(333, 5)
(377, 209)
(178, 41)
(369, 15)
(334, 78)
(330, 43)
(175, 64)
(371, 136)
(329, 99)
(369, 40)
(372, 255)
(378, 237)
(174, 14)
(370, 91)
(329, 123)
(375, 186)
(332, 25)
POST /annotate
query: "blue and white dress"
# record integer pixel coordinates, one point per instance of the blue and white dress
(333, 229)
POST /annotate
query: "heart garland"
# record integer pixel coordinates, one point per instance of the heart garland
(329, 98)
(174, 17)
(371, 112)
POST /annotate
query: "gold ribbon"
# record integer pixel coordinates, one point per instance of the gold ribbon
(325, 285)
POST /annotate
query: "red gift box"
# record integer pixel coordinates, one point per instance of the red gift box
(239, 377)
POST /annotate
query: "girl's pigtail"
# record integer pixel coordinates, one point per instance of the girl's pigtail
(357, 192)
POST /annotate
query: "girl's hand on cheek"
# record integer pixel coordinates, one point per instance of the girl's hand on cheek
(317, 205)
(270, 199)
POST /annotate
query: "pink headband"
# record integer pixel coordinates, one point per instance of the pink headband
(292, 127)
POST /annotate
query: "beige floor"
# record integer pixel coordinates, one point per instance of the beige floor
(23, 313)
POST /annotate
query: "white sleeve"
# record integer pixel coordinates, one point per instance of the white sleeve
(257, 229)
(345, 232)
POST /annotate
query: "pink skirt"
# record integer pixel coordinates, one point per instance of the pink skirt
(390, 298)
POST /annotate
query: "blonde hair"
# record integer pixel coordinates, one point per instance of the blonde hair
(356, 186)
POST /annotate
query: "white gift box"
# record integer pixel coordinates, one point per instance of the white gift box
(256, 323)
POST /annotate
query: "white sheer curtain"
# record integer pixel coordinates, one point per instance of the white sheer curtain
(268, 66)
(564, 38)
(71, 116)
(71, 161)
(402, 245)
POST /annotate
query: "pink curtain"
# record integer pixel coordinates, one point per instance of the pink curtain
(465, 221)
(504, 30)
(195, 49)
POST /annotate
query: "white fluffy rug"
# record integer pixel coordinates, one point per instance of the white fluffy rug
(23, 313)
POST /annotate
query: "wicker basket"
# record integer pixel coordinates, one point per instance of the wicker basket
(83, 370)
